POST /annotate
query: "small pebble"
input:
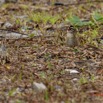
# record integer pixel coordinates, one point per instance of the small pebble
(39, 87)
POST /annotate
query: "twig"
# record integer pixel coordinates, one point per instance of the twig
(37, 36)
(78, 3)
(12, 31)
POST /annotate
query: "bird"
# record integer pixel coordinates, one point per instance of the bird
(3, 54)
(71, 38)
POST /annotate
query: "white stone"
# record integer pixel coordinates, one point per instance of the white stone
(36, 33)
(8, 25)
(74, 79)
(72, 71)
(11, 35)
(2, 2)
(39, 87)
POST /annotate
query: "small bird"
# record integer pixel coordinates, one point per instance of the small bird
(2, 50)
(71, 39)
(3, 54)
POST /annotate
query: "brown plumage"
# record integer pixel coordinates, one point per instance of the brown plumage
(71, 39)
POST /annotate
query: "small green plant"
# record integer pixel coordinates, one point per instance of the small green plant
(43, 75)
(19, 101)
(31, 35)
(54, 19)
(12, 92)
(94, 33)
(35, 17)
(47, 56)
(97, 17)
(18, 22)
(46, 95)
(83, 80)
(77, 22)
(90, 36)
(23, 6)
(20, 76)
(49, 65)
(92, 78)
(44, 18)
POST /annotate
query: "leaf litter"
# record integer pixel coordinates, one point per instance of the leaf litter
(47, 60)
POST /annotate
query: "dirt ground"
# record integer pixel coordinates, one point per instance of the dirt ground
(71, 75)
